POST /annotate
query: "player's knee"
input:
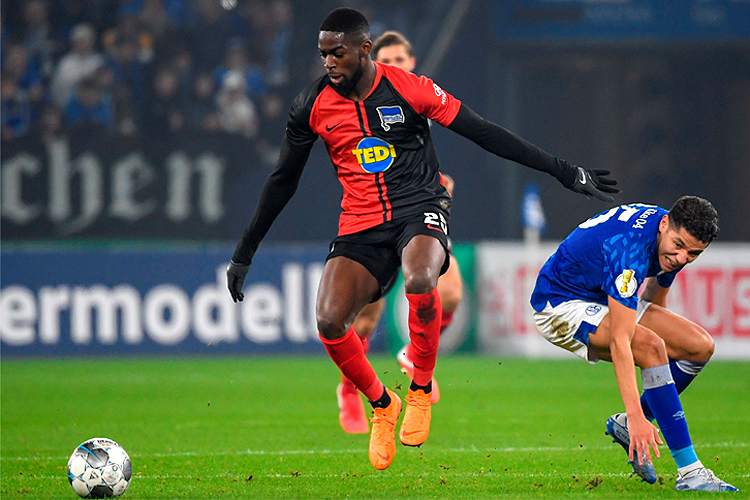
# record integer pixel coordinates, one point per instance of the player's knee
(329, 328)
(650, 351)
(703, 346)
(422, 281)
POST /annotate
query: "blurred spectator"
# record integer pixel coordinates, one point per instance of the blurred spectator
(166, 112)
(129, 74)
(16, 112)
(4, 30)
(273, 24)
(273, 117)
(38, 36)
(174, 13)
(18, 66)
(130, 28)
(90, 105)
(181, 64)
(282, 26)
(50, 125)
(237, 113)
(78, 64)
(237, 60)
(155, 19)
(203, 114)
(208, 36)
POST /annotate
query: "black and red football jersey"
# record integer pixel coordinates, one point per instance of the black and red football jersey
(380, 146)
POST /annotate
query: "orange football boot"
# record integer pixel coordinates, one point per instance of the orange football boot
(416, 424)
(383, 435)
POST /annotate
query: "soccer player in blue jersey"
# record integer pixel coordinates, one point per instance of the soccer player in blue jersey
(586, 302)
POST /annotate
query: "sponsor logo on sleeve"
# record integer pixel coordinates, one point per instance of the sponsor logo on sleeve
(390, 115)
(626, 283)
(440, 93)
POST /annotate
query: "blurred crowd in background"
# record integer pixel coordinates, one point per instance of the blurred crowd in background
(656, 102)
(150, 68)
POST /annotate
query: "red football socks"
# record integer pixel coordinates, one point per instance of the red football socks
(365, 346)
(424, 330)
(349, 355)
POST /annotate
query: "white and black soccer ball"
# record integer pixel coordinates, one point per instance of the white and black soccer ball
(99, 468)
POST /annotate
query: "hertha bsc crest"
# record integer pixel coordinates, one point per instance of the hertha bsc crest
(390, 115)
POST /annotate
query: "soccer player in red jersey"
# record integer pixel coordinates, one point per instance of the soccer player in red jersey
(393, 48)
(395, 210)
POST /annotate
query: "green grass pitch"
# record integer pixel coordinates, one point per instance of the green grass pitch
(267, 427)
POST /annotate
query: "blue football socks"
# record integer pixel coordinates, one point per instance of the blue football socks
(661, 395)
(683, 372)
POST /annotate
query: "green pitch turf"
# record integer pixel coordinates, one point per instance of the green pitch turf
(268, 428)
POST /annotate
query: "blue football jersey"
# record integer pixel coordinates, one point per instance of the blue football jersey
(608, 255)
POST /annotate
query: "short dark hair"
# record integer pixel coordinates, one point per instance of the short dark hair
(347, 21)
(388, 39)
(697, 216)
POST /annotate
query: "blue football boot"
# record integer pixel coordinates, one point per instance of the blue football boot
(617, 427)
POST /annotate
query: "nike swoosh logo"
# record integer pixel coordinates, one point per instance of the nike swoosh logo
(583, 176)
(382, 457)
(410, 433)
(328, 129)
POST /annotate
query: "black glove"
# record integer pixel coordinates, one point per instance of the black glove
(591, 182)
(235, 279)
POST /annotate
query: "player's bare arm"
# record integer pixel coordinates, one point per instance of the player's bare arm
(653, 292)
(643, 434)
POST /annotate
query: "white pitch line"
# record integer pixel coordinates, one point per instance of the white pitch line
(328, 476)
(579, 476)
(363, 450)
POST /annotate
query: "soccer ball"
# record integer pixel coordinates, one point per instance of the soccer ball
(99, 468)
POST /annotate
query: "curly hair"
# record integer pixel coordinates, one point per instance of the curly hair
(697, 216)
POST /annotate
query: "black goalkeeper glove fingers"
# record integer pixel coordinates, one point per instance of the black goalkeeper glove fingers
(594, 182)
(235, 279)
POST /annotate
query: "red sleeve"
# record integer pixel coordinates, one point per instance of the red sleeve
(424, 95)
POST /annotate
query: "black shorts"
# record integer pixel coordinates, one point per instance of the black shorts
(379, 248)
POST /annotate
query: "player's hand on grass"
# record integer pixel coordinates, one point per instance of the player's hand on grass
(235, 279)
(591, 182)
(643, 434)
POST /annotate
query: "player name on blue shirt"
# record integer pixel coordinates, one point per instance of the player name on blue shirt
(610, 254)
